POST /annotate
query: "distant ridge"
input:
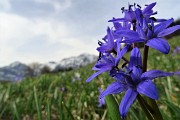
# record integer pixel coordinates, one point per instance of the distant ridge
(17, 71)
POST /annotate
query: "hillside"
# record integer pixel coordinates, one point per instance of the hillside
(66, 95)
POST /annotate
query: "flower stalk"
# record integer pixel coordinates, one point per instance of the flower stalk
(145, 58)
(152, 103)
(144, 107)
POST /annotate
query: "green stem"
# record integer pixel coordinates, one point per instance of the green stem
(156, 112)
(152, 103)
(145, 58)
(144, 107)
(125, 59)
(37, 103)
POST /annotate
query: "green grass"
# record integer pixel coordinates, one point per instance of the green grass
(42, 98)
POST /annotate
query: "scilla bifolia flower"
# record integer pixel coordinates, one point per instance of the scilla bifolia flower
(137, 25)
(151, 35)
(134, 82)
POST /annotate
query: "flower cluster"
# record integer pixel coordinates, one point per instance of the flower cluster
(137, 25)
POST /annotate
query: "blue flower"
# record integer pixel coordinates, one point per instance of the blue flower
(131, 15)
(151, 35)
(145, 29)
(102, 100)
(112, 42)
(123, 26)
(109, 44)
(134, 82)
(107, 62)
(176, 50)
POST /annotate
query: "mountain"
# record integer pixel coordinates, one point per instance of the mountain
(18, 71)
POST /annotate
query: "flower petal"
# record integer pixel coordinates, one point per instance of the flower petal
(109, 45)
(148, 8)
(135, 59)
(152, 74)
(149, 34)
(117, 20)
(148, 88)
(160, 20)
(120, 53)
(119, 78)
(117, 25)
(99, 66)
(96, 74)
(159, 44)
(127, 33)
(141, 33)
(163, 25)
(136, 74)
(133, 40)
(129, 15)
(177, 73)
(168, 31)
(110, 36)
(114, 88)
(105, 48)
(126, 102)
(101, 100)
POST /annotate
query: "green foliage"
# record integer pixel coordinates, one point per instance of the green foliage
(112, 107)
(42, 97)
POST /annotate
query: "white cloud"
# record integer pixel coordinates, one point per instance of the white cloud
(17, 32)
(20, 29)
(58, 34)
(5, 5)
(58, 5)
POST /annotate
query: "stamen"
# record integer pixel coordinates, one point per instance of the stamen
(122, 9)
(130, 7)
(99, 58)
(153, 18)
(100, 43)
(124, 64)
(139, 6)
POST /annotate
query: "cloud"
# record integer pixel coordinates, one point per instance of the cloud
(17, 31)
(36, 8)
(58, 5)
(29, 40)
(5, 5)
(49, 30)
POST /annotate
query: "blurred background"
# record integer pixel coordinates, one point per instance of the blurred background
(49, 30)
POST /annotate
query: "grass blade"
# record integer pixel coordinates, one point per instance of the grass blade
(37, 103)
(68, 111)
(15, 112)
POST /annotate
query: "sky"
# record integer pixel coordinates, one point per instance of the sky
(50, 30)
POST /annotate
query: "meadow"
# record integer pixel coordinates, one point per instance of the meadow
(66, 95)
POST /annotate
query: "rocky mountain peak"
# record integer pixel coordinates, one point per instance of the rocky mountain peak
(18, 71)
